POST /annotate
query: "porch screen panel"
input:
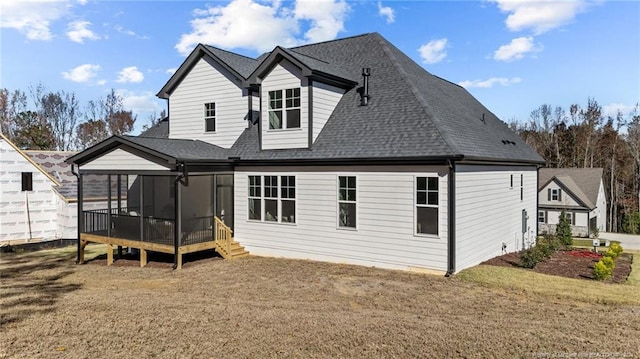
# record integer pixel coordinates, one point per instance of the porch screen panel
(197, 209)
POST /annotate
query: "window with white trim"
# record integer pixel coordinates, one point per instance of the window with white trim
(521, 187)
(210, 117)
(427, 200)
(272, 198)
(255, 197)
(347, 202)
(284, 114)
(555, 194)
(542, 217)
(570, 217)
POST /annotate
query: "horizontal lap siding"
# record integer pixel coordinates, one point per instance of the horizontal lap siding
(284, 76)
(208, 82)
(325, 100)
(385, 220)
(489, 212)
(122, 160)
(565, 197)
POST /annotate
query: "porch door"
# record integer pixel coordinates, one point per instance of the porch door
(224, 199)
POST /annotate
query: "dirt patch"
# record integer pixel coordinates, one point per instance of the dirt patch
(274, 308)
(577, 263)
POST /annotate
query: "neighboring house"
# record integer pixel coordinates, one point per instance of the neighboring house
(38, 195)
(577, 191)
(343, 151)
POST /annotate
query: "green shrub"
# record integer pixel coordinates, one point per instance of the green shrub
(617, 248)
(563, 230)
(608, 261)
(611, 254)
(601, 271)
(544, 248)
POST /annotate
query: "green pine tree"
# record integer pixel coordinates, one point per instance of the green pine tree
(563, 230)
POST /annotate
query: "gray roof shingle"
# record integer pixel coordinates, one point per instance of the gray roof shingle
(180, 149)
(160, 130)
(242, 64)
(584, 183)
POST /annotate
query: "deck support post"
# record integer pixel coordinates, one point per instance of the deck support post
(143, 257)
(83, 244)
(109, 254)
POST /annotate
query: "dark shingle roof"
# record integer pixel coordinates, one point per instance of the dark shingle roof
(242, 64)
(584, 183)
(179, 149)
(160, 130)
(411, 113)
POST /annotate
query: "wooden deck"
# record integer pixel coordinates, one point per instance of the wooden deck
(223, 243)
(86, 238)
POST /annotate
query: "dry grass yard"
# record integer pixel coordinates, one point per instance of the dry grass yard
(275, 308)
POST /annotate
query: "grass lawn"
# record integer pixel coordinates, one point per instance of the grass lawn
(266, 307)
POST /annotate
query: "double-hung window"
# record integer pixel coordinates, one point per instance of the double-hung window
(255, 197)
(427, 205)
(346, 201)
(284, 113)
(210, 117)
(555, 194)
(569, 216)
(272, 198)
(542, 217)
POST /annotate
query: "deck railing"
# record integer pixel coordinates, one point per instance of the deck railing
(147, 229)
(224, 236)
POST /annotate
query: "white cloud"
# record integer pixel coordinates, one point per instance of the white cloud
(516, 49)
(539, 15)
(434, 51)
(326, 17)
(387, 12)
(78, 31)
(122, 30)
(32, 18)
(130, 74)
(613, 108)
(503, 81)
(101, 82)
(260, 26)
(82, 73)
(172, 70)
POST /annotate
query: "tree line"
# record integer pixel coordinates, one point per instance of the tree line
(48, 120)
(584, 137)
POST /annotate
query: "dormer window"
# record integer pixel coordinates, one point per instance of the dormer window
(287, 116)
(210, 117)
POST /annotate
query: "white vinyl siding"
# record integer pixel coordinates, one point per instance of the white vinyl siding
(325, 100)
(385, 235)
(208, 82)
(284, 76)
(122, 160)
(489, 211)
(565, 197)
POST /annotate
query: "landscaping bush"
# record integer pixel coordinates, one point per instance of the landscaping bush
(617, 248)
(563, 230)
(611, 254)
(608, 261)
(601, 271)
(544, 248)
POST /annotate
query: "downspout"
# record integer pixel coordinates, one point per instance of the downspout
(177, 228)
(79, 208)
(451, 202)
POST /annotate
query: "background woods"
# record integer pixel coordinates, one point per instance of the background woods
(585, 137)
(47, 120)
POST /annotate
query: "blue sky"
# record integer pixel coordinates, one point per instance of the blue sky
(511, 55)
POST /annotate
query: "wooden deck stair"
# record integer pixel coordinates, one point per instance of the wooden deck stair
(224, 243)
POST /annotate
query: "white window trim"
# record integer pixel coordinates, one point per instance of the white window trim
(279, 198)
(205, 117)
(415, 206)
(544, 215)
(284, 109)
(557, 194)
(338, 201)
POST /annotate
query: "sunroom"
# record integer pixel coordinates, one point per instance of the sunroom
(163, 195)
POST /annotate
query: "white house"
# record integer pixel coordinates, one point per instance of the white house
(38, 195)
(342, 151)
(577, 191)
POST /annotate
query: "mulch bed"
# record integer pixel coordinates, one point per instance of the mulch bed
(576, 263)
